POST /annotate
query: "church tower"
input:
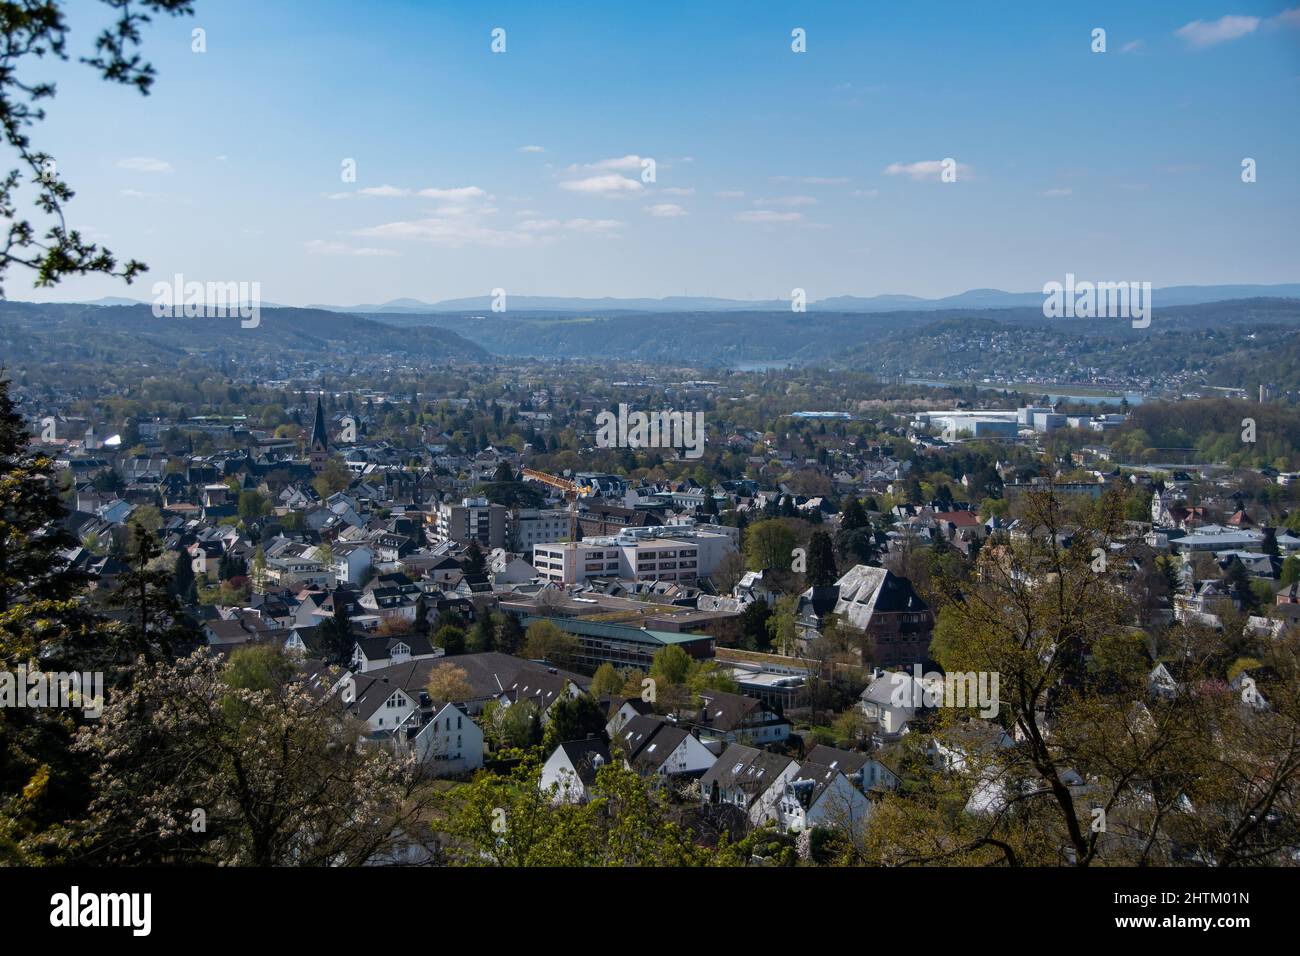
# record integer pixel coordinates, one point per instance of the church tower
(319, 440)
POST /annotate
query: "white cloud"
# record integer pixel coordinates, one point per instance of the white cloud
(532, 149)
(145, 164)
(665, 210)
(457, 194)
(925, 170)
(767, 215)
(865, 193)
(679, 191)
(730, 194)
(825, 180)
(323, 247)
(1057, 191)
(608, 185)
(1199, 34)
(629, 163)
(1132, 46)
(385, 191)
(469, 230)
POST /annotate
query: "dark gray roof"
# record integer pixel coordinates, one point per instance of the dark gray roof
(586, 756)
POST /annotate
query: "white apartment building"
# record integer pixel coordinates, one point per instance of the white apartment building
(635, 554)
(533, 526)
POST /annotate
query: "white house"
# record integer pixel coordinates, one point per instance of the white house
(654, 748)
(629, 708)
(962, 747)
(863, 770)
(750, 779)
(890, 703)
(571, 769)
(350, 562)
(820, 796)
(449, 743)
(373, 653)
(381, 705)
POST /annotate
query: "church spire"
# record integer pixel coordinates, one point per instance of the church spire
(319, 440)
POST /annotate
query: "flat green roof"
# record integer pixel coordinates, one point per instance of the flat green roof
(577, 625)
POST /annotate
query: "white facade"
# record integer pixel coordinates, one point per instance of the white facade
(449, 743)
(690, 756)
(534, 526)
(840, 805)
(643, 554)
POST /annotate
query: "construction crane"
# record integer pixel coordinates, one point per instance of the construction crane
(569, 490)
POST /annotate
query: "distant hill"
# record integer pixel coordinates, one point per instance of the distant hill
(973, 299)
(728, 338)
(50, 332)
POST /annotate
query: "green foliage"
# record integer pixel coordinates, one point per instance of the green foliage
(546, 642)
(451, 639)
(769, 544)
(670, 665)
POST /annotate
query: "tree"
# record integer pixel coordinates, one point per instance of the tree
(333, 478)
(156, 627)
(670, 665)
(1269, 544)
(336, 632)
(546, 642)
(769, 544)
(1044, 619)
(474, 563)
(483, 637)
(1290, 570)
(1238, 580)
(728, 572)
(183, 575)
(510, 638)
(781, 627)
(607, 681)
(42, 619)
(449, 683)
(516, 726)
(854, 516)
(30, 30)
(514, 821)
(451, 639)
(252, 505)
(821, 560)
(574, 718)
(272, 774)
(754, 625)
(30, 539)
(258, 667)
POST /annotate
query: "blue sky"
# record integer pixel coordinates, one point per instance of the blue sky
(774, 169)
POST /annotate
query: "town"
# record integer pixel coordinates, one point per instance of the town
(753, 635)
